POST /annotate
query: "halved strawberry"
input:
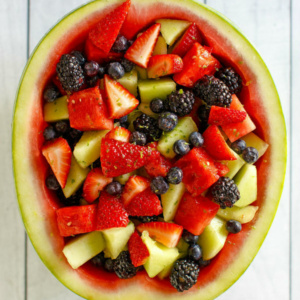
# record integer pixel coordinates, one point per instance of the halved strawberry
(141, 50)
(162, 65)
(223, 116)
(58, 155)
(105, 33)
(168, 234)
(120, 101)
(94, 184)
(138, 251)
(222, 169)
(119, 133)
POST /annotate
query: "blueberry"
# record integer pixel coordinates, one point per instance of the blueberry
(91, 68)
(116, 70)
(79, 56)
(51, 93)
(62, 126)
(49, 133)
(167, 121)
(196, 139)
(52, 183)
(92, 81)
(120, 44)
(109, 265)
(181, 147)
(250, 155)
(114, 188)
(138, 138)
(157, 105)
(238, 146)
(203, 113)
(159, 186)
(233, 226)
(127, 64)
(174, 175)
(102, 71)
(189, 237)
(195, 252)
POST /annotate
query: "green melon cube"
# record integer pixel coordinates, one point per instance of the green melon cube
(161, 47)
(241, 214)
(56, 110)
(129, 82)
(124, 178)
(252, 140)
(233, 165)
(145, 108)
(142, 72)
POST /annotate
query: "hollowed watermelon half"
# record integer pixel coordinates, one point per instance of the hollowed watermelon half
(38, 205)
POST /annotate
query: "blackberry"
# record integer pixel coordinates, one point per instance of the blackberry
(62, 126)
(232, 79)
(70, 73)
(114, 188)
(51, 93)
(79, 56)
(98, 260)
(184, 274)
(225, 192)
(148, 219)
(238, 146)
(180, 102)
(203, 113)
(127, 64)
(189, 237)
(196, 139)
(159, 186)
(109, 265)
(123, 266)
(52, 183)
(149, 126)
(138, 138)
(167, 121)
(120, 44)
(92, 81)
(91, 68)
(115, 70)
(174, 175)
(233, 226)
(250, 155)
(157, 105)
(181, 147)
(213, 91)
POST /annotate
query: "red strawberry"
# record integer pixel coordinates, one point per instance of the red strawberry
(118, 158)
(76, 219)
(110, 212)
(87, 111)
(215, 144)
(191, 36)
(119, 134)
(145, 203)
(141, 50)
(223, 116)
(195, 213)
(120, 101)
(162, 65)
(94, 184)
(135, 185)
(168, 234)
(138, 251)
(222, 169)
(58, 155)
(197, 62)
(105, 33)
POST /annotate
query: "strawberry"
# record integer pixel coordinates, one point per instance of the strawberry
(168, 234)
(58, 155)
(195, 213)
(120, 101)
(118, 158)
(94, 184)
(215, 144)
(162, 65)
(141, 50)
(196, 63)
(87, 111)
(76, 219)
(223, 116)
(188, 39)
(138, 251)
(119, 134)
(105, 33)
(222, 169)
(145, 203)
(110, 213)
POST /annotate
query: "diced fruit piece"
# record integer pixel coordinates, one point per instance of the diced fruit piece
(182, 131)
(119, 134)
(142, 73)
(233, 165)
(222, 168)
(160, 47)
(197, 62)
(215, 144)
(141, 50)
(238, 130)
(223, 116)
(58, 155)
(252, 140)
(195, 213)
(191, 36)
(76, 219)
(160, 257)
(120, 101)
(82, 248)
(117, 238)
(199, 171)
(105, 33)
(138, 251)
(129, 81)
(171, 30)
(246, 181)
(213, 238)
(243, 214)
(162, 65)
(87, 111)
(56, 110)
(145, 108)
(125, 177)
(94, 184)
(167, 234)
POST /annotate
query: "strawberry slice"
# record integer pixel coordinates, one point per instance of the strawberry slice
(223, 116)
(141, 50)
(162, 65)
(120, 101)
(105, 33)
(188, 39)
(138, 251)
(168, 234)
(119, 134)
(110, 213)
(94, 184)
(222, 169)
(145, 203)
(58, 155)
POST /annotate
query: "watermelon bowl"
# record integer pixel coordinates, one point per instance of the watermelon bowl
(38, 205)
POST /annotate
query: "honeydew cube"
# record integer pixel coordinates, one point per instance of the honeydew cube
(161, 47)
(129, 81)
(142, 72)
(124, 178)
(241, 214)
(233, 165)
(56, 110)
(252, 140)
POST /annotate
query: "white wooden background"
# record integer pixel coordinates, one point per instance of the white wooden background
(273, 27)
